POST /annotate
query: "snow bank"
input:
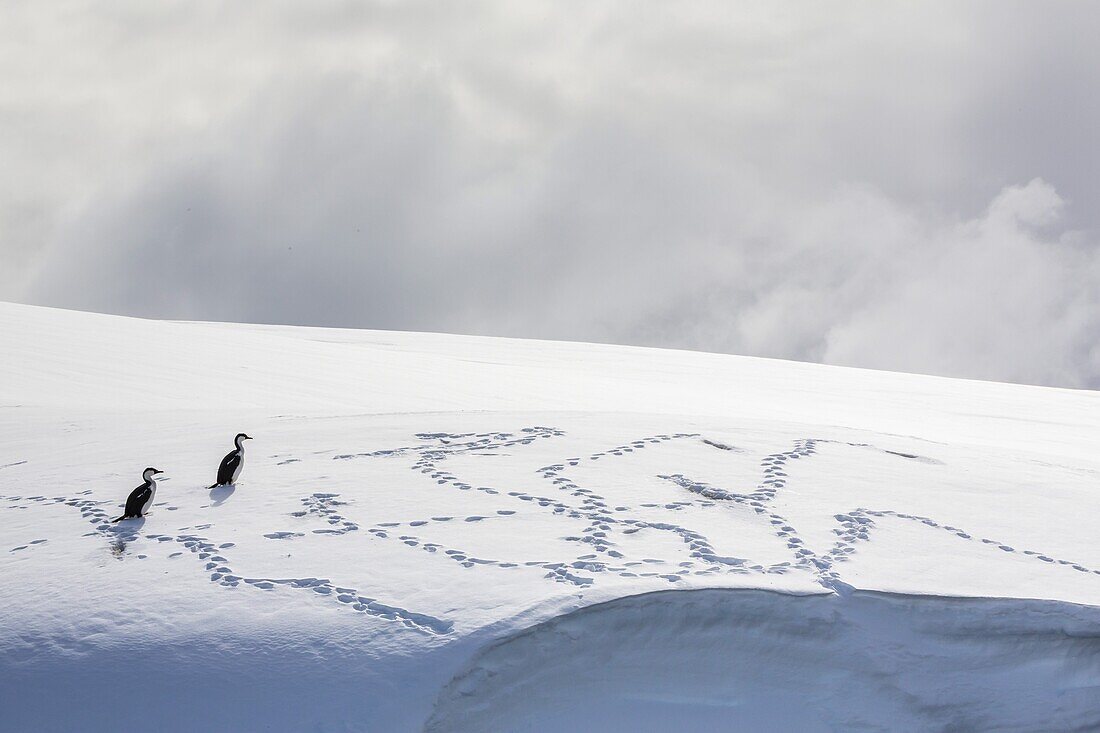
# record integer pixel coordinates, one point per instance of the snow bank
(714, 660)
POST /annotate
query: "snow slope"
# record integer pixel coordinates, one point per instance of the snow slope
(456, 533)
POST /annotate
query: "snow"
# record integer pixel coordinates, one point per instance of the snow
(465, 533)
(752, 660)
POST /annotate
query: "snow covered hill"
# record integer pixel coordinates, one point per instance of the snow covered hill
(453, 533)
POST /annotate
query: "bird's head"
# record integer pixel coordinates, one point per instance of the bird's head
(149, 473)
(241, 437)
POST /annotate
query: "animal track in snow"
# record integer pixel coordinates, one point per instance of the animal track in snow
(324, 507)
(602, 521)
(601, 528)
(855, 526)
(217, 565)
(961, 534)
(283, 535)
(30, 544)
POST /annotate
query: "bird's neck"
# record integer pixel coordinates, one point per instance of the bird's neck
(239, 443)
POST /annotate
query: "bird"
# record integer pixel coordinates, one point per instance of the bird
(232, 464)
(141, 498)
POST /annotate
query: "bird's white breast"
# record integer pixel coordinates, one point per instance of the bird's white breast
(152, 495)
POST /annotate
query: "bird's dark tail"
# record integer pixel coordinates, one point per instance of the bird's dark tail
(119, 519)
(213, 486)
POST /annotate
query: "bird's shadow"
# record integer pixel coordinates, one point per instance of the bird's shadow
(220, 494)
(123, 533)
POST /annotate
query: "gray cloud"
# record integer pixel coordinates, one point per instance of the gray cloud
(895, 188)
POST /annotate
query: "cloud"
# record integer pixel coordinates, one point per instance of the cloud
(846, 186)
(1008, 295)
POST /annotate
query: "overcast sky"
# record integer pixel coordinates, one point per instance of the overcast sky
(903, 186)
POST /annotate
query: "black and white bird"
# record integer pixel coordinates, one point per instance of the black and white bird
(141, 498)
(232, 464)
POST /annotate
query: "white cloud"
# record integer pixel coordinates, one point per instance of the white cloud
(994, 297)
(774, 179)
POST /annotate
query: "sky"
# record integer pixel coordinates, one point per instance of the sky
(904, 186)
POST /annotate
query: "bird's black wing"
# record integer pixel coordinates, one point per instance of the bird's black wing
(137, 500)
(228, 466)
